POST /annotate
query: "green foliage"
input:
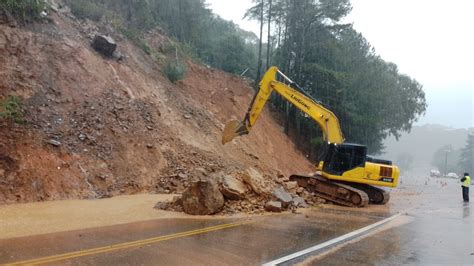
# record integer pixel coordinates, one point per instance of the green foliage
(83, 9)
(144, 46)
(134, 36)
(23, 9)
(336, 65)
(175, 71)
(466, 162)
(202, 34)
(11, 109)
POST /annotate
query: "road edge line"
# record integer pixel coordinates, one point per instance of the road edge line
(331, 242)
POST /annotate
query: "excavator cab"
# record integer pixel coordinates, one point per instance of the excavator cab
(340, 158)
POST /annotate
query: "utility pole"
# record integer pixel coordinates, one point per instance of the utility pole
(446, 163)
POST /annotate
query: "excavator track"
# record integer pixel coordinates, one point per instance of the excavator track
(338, 193)
(376, 195)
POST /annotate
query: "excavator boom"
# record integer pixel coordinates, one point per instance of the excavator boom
(321, 115)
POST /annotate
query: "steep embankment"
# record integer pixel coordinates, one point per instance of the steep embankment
(100, 127)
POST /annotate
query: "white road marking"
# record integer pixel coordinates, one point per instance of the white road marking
(331, 242)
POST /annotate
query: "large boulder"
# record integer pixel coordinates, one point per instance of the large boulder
(202, 198)
(232, 188)
(257, 182)
(282, 196)
(273, 206)
(104, 45)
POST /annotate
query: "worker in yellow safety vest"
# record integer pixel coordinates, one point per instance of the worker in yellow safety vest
(466, 182)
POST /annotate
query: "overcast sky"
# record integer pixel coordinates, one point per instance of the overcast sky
(430, 40)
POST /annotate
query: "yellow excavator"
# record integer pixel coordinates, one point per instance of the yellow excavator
(345, 174)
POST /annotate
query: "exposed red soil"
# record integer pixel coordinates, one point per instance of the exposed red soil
(123, 127)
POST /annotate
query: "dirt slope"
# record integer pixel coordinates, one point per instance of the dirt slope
(123, 128)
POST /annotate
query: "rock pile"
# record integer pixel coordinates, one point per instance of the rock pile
(242, 191)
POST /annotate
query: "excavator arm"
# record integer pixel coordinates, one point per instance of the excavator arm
(326, 119)
(345, 174)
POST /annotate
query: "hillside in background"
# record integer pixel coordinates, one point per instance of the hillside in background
(97, 127)
(422, 143)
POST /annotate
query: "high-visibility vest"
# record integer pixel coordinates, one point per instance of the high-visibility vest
(467, 182)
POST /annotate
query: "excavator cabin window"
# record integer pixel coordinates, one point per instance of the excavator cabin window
(344, 157)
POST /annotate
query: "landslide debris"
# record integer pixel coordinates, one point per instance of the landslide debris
(203, 196)
(100, 127)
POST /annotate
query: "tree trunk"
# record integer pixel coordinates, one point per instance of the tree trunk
(269, 35)
(259, 65)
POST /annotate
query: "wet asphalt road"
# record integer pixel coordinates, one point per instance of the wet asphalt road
(258, 240)
(440, 231)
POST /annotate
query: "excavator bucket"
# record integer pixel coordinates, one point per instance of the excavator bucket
(233, 129)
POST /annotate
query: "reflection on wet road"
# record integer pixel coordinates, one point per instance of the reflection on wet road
(439, 231)
(257, 240)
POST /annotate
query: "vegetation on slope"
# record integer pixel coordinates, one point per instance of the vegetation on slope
(339, 67)
(23, 9)
(214, 41)
(307, 40)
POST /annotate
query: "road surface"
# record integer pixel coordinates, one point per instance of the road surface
(432, 226)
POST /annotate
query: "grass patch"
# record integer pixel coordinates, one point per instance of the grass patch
(83, 9)
(23, 10)
(175, 71)
(11, 109)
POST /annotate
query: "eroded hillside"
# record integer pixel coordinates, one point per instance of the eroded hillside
(99, 127)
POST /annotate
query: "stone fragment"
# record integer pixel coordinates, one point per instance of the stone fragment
(292, 185)
(273, 206)
(282, 196)
(233, 189)
(199, 174)
(257, 182)
(82, 136)
(182, 176)
(299, 190)
(54, 142)
(299, 202)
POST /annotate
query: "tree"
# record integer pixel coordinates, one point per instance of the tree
(466, 162)
(338, 66)
(259, 60)
(269, 15)
(202, 34)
